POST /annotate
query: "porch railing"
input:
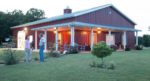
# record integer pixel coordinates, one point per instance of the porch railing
(67, 47)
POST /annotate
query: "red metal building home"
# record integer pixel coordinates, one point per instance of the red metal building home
(87, 27)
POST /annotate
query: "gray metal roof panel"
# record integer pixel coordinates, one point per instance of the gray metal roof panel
(82, 24)
(71, 15)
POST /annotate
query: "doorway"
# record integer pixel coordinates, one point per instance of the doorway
(21, 40)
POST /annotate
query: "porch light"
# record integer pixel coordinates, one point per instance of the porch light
(25, 29)
(98, 28)
(55, 31)
(69, 32)
(55, 28)
(84, 32)
(98, 32)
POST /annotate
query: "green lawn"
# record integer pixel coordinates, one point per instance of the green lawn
(130, 66)
(19, 53)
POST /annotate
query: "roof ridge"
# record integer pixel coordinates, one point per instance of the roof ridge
(60, 16)
(93, 9)
(74, 14)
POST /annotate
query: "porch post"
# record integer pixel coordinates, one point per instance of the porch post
(124, 39)
(56, 39)
(109, 36)
(45, 31)
(72, 36)
(136, 38)
(92, 40)
(35, 43)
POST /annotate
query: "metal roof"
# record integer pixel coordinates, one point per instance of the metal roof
(82, 24)
(75, 14)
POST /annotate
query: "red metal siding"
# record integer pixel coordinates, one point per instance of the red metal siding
(30, 32)
(51, 23)
(50, 38)
(103, 17)
(101, 37)
(82, 37)
(131, 39)
(16, 30)
(106, 16)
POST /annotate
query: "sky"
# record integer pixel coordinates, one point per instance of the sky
(136, 10)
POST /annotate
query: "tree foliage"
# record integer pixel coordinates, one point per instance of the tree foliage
(34, 14)
(17, 17)
(146, 40)
(140, 40)
(4, 25)
(101, 50)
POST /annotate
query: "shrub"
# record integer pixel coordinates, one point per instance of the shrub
(127, 48)
(139, 47)
(111, 66)
(93, 64)
(114, 47)
(73, 50)
(97, 65)
(54, 54)
(102, 65)
(9, 57)
(101, 50)
(36, 59)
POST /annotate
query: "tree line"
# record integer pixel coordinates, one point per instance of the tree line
(144, 40)
(17, 17)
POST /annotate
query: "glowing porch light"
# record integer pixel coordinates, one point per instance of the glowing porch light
(54, 28)
(84, 32)
(25, 29)
(55, 31)
(98, 28)
(69, 32)
(98, 32)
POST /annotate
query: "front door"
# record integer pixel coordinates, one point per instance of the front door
(21, 40)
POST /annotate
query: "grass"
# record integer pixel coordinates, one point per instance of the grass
(130, 66)
(19, 53)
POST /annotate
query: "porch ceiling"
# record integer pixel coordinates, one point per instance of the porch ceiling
(82, 24)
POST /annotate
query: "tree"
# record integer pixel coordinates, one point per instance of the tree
(8, 20)
(3, 26)
(140, 40)
(17, 17)
(101, 50)
(146, 40)
(34, 14)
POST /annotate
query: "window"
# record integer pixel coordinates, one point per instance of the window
(31, 38)
(110, 40)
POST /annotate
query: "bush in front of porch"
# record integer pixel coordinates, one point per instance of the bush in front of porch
(101, 50)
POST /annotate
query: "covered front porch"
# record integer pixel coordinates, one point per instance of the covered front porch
(83, 35)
